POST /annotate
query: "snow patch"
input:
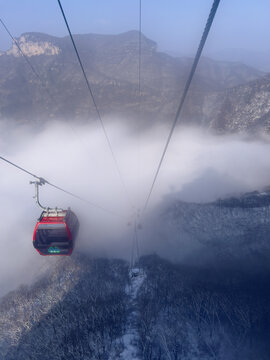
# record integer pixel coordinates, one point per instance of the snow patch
(130, 339)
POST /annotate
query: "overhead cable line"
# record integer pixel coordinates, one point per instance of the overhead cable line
(140, 46)
(44, 181)
(186, 88)
(33, 69)
(26, 59)
(135, 242)
(135, 252)
(93, 99)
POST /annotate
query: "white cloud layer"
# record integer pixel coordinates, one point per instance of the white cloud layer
(198, 167)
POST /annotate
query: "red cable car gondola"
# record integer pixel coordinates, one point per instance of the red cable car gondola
(56, 229)
(55, 232)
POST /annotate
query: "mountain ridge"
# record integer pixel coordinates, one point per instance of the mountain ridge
(111, 63)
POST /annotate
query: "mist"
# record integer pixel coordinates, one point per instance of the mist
(198, 167)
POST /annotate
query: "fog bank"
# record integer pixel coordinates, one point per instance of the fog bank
(198, 167)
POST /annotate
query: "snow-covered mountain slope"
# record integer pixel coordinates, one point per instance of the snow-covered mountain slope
(236, 228)
(214, 303)
(187, 312)
(77, 311)
(242, 108)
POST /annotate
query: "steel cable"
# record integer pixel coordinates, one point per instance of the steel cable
(59, 188)
(186, 88)
(94, 102)
(27, 60)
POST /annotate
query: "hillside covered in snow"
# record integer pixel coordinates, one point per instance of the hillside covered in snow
(213, 303)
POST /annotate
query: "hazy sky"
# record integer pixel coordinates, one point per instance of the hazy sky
(176, 25)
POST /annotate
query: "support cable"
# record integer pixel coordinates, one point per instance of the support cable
(94, 102)
(135, 241)
(44, 181)
(140, 47)
(34, 71)
(186, 88)
(27, 60)
(135, 253)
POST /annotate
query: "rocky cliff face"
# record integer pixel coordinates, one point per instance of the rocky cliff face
(31, 46)
(111, 63)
